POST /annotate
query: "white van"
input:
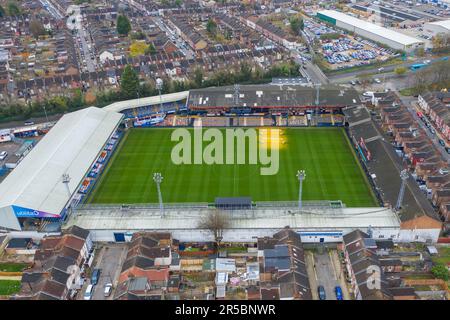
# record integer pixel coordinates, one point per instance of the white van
(88, 293)
(3, 155)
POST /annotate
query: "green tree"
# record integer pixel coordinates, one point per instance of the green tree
(150, 49)
(198, 77)
(13, 9)
(364, 78)
(245, 72)
(297, 25)
(129, 84)
(123, 25)
(211, 26)
(420, 52)
(400, 71)
(440, 271)
(138, 35)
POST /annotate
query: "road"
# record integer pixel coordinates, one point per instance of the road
(412, 106)
(51, 9)
(388, 70)
(178, 41)
(308, 69)
(408, 10)
(324, 269)
(109, 261)
(86, 50)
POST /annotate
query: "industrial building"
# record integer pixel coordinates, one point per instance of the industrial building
(35, 190)
(390, 38)
(438, 27)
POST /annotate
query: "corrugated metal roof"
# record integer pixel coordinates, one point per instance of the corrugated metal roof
(370, 27)
(444, 24)
(115, 219)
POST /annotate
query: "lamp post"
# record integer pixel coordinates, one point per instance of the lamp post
(158, 178)
(159, 86)
(404, 175)
(66, 180)
(45, 112)
(301, 175)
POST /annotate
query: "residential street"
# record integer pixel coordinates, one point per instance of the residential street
(109, 262)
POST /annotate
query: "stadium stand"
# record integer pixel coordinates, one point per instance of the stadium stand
(34, 189)
(297, 121)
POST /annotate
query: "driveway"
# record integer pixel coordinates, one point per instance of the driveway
(110, 260)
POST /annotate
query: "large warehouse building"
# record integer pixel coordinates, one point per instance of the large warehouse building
(34, 190)
(438, 27)
(393, 39)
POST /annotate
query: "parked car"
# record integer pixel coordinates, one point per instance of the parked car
(108, 289)
(338, 292)
(28, 123)
(376, 80)
(321, 291)
(3, 155)
(442, 142)
(89, 292)
(95, 276)
(432, 130)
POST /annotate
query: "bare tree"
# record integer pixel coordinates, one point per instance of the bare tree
(364, 78)
(36, 28)
(421, 78)
(215, 222)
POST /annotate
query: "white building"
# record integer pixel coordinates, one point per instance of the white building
(390, 38)
(438, 27)
(314, 225)
(106, 56)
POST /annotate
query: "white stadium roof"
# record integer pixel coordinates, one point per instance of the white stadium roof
(370, 27)
(71, 147)
(110, 218)
(148, 101)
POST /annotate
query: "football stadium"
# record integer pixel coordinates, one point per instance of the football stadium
(112, 170)
(310, 137)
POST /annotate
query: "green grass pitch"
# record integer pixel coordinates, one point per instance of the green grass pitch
(332, 172)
